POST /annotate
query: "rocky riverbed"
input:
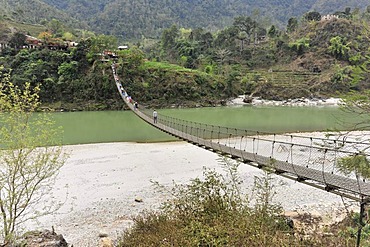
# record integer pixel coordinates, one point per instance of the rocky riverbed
(109, 183)
(242, 100)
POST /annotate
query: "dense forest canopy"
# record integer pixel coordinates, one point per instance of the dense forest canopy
(35, 12)
(132, 20)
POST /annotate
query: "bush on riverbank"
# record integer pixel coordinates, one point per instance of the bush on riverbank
(214, 212)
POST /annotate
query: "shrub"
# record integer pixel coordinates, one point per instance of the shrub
(211, 212)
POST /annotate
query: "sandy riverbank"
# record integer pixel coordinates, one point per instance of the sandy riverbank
(104, 180)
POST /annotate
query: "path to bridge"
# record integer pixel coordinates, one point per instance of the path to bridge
(309, 160)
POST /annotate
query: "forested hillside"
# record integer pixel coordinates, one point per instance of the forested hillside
(35, 12)
(133, 20)
(189, 67)
(314, 57)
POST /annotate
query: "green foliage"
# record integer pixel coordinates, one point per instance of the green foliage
(356, 59)
(79, 77)
(292, 24)
(68, 71)
(132, 58)
(272, 32)
(357, 163)
(132, 20)
(312, 16)
(300, 45)
(164, 66)
(350, 230)
(99, 44)
(210, 212)
(30, 157)
(18, 40)
(341, 79)
(339, 48)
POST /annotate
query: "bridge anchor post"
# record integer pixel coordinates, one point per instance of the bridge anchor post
(361, 221)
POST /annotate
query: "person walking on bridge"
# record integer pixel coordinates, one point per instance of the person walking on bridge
(155, 116)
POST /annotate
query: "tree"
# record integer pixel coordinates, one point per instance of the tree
(272, 31)
(45, 37)
(247, 25)
(300, 45)
(242, 36)
(226, 38)
(313, 16)
(17, 40)
(168, 41)
(68, 36)
(55, 26)
(292, 24)
(30, 158)
(339, 48)
(99, 44)
(222, 57)
(347, 11)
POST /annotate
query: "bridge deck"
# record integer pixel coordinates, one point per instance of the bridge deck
(329, 181)
(346, 186)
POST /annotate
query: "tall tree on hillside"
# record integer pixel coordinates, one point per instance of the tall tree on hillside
(292, 24)
(272, 31)
(226, 38)
(99, 44)
(222, 57)
(17, 40)
(55, 27)
(45, 37)
(168, 41)
(247, 25)
(204, 39)
(312, 16)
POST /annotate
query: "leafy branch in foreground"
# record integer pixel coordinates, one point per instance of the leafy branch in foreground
(30, 158)
(357, 163)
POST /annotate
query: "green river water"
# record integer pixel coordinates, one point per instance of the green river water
(124, 126)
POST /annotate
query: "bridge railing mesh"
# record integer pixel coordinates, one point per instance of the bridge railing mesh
(318, 159)
(308, 158)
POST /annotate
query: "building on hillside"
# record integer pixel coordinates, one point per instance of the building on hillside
(110, 54)
(122, 47)
(32, 42)
(3, 45)
(329, 17)
(71, 43)
(52, 44)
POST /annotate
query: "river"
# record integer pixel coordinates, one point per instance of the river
(124, 126)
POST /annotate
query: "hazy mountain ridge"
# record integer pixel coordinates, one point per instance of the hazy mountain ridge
(134, 19)
(147, 18)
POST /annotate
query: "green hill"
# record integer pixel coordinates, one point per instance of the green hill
(130, 20)
(36, 12)
(187, 67)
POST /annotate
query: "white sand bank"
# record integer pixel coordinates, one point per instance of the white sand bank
(104, 180)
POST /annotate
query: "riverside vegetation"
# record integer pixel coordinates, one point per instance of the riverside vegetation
(195, 67)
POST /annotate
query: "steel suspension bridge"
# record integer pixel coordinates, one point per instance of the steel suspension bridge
(309, 160)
